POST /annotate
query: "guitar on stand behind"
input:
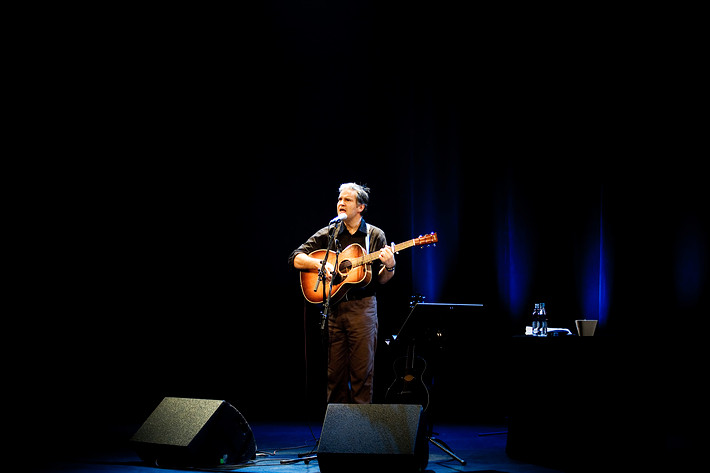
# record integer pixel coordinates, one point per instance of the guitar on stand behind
(408, 386)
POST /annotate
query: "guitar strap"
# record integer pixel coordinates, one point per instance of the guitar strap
(367, 238)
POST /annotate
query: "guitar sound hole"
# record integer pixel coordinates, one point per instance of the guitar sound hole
(345, 267)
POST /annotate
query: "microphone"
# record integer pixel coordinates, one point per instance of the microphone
(339, 218)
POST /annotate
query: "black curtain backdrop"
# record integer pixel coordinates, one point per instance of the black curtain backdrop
(178, 160)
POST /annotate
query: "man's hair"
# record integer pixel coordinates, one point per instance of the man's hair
(363, 192)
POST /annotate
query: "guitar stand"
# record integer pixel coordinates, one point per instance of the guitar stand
(445, 448)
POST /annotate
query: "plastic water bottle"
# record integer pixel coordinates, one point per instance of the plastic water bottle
(536, 321)
(542, 321)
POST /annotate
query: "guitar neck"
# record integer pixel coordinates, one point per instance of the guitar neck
(367, 259)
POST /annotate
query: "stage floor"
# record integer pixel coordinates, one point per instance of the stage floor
(482, 447)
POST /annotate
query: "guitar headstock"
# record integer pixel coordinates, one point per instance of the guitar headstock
(429, 239)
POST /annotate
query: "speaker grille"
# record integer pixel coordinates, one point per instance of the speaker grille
(194, 432)
(176, 421)
(373, 436)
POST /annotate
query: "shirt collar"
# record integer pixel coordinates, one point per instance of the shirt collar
(362, 228)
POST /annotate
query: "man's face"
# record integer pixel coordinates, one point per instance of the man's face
(347, 203)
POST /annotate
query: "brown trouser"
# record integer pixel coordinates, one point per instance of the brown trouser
(352, 340)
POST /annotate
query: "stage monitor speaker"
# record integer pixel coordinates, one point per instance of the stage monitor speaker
(194, 433)
(373, 437)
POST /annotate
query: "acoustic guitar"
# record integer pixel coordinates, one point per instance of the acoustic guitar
(408, 386)
(354, 269)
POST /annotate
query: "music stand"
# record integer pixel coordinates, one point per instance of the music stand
(433, 318)
(429, 324)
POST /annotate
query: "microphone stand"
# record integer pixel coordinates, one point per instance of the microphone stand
(332, 242)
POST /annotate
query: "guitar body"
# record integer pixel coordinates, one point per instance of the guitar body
(354, 269)
(408, 386)
(345, 276)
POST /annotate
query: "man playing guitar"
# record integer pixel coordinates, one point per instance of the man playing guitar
(352, 325)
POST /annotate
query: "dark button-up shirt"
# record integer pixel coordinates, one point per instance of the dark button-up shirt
(319, 241)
